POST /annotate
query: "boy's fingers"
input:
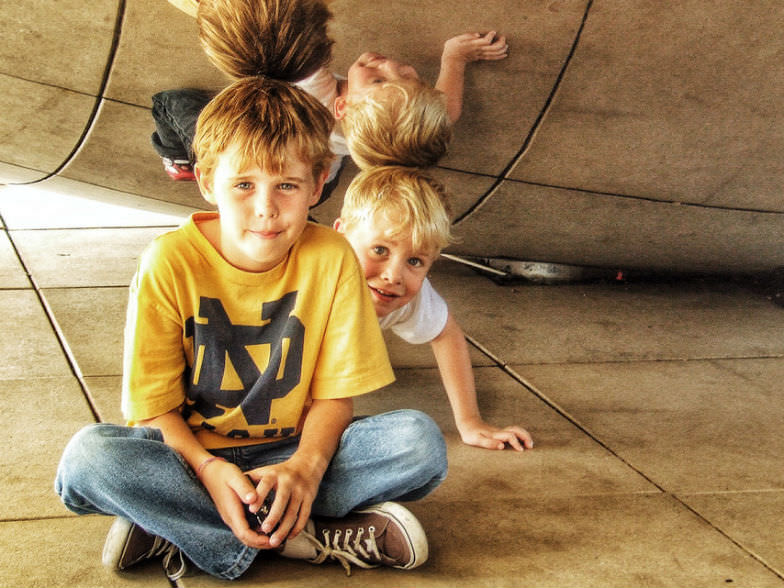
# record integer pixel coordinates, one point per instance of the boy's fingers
(244, 488)
(285, 525)
(523, 435)
(487, 442)
(507, 437)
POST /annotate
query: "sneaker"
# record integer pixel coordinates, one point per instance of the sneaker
(178, 169)
(385, 534)
(128, 544)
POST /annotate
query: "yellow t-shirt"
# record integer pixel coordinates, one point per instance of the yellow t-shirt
(244, 353)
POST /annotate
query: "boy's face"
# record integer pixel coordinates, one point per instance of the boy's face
(394, 270)
(261, 214)
(372, 69)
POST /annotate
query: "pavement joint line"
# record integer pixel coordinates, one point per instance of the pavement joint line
(58, 332)
(562, 412)
(537, 125)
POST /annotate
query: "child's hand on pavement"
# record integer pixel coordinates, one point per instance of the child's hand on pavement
(470, 47)
(480, 434)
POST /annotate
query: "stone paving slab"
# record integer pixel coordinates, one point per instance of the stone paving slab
(61, 258)
(66, 553)
(92, 320)
(12, 274)
(34, 441)
(564, 461)
(28, 345)
(750, 518)
(693, 426)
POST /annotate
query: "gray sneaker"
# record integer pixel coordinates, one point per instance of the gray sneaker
(385, 534)
(128, 544)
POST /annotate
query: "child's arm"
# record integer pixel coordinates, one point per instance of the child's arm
(224, 481)
(454, 364)
(296, 481)
(458, 51)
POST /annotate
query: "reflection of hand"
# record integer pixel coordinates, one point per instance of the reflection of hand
(476, 47)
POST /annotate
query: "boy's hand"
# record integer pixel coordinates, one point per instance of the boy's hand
(480, 434)
(295, 487)
(475, 47)
(231, 491)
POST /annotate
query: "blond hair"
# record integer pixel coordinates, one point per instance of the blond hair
(400, 123)
(264, 118)
(282, 39)
(407, 198)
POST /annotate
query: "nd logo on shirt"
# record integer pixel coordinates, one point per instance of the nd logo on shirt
(244, 365)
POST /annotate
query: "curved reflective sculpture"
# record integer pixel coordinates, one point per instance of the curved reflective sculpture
(617, 134)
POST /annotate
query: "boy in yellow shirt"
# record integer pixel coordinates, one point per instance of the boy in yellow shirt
(396, 220)
(249, 331)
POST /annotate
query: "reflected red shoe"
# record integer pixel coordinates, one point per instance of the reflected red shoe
(179, 169)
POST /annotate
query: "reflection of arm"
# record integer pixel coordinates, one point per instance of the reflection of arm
(187, 6)
(450, 82)
(459, 51)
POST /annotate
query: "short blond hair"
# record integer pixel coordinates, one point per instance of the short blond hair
(282, 39)
(400, 123)
(264, 118)
(407, 198)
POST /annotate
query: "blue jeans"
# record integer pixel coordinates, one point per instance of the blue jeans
(130, 472)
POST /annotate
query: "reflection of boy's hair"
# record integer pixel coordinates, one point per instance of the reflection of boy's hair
(410, 201)
(282, 39)
(264, 118)
(400, 123)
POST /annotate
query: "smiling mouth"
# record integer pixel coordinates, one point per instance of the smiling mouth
(266, 234)
(383, 294)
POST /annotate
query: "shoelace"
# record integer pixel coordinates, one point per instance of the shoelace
(349, 552)
(171, 553)
(159, 547)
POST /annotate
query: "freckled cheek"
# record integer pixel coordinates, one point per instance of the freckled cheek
(369, 267)
(413, 283)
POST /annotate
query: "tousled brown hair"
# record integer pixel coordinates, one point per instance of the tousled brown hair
(282, 39)
(265, 118)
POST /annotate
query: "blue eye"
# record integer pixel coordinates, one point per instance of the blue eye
(415, 261)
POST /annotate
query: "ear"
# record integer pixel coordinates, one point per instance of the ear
(338, 225)
(339, 107)
(205, 184)
(319, 188)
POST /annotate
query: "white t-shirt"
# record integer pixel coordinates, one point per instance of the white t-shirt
(422, 319)
(323, 85)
